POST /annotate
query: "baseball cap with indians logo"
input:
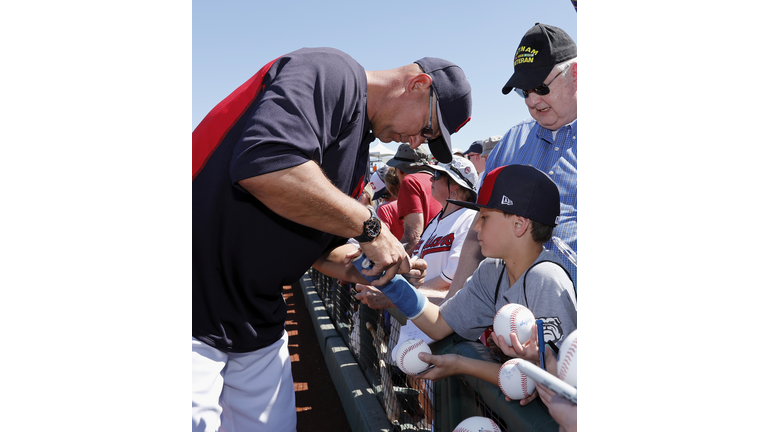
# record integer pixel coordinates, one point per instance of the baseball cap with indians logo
(454, 103)
(521, 190)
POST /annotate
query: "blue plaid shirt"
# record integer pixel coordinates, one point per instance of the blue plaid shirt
(530, 144)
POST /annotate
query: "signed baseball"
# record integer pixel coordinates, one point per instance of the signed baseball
(566, 360)
(407, 356)
(514, 318)
(477, 424)
(514, 383)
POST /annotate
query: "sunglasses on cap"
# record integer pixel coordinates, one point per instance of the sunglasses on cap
(427, 132)
(541, 90)
(438, 174)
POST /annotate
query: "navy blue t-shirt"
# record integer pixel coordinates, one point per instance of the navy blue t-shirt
(312, 107)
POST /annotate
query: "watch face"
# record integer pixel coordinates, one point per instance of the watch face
(373, 227)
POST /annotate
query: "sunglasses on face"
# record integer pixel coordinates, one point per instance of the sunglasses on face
(541, 90)
(439, 174)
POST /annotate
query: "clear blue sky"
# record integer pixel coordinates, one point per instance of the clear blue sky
(232, 40)
(96, 188)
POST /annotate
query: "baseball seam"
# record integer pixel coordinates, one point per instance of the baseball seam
(524, 384)
(567, 360)
(498, 378)
(402, 356)
(513, 322)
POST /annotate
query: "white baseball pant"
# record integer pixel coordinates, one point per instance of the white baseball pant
(242, 392)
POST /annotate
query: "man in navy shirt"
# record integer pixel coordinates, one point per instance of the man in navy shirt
(275, 167)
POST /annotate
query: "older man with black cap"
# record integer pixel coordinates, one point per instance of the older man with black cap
(545, 78)
(275, 168)
(415, 204)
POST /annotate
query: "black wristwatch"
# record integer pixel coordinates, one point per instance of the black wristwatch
(371, 229)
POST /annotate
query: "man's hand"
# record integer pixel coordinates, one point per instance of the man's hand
(372, 297)
(387, 254)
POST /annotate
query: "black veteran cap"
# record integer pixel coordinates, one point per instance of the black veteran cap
(520, 190)
(542, 47)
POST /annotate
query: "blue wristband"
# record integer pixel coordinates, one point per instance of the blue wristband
(401, 293)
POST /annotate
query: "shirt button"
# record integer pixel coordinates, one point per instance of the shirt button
(574, 137)
(551, 173)
(557, 148)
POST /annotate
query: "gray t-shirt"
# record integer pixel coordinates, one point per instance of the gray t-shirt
(549, 292)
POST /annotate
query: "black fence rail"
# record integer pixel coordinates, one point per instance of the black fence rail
(411, 404)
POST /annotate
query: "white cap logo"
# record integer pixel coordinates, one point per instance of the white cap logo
(506, 201)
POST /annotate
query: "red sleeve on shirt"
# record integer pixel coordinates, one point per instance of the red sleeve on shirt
(388, 214)
(415, 196)
(410, 199)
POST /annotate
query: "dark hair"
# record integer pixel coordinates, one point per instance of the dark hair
(392, 181)
(541, 233)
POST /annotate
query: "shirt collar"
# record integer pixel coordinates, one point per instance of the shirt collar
(546, 134)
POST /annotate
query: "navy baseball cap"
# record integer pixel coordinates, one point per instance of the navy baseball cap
(454, 103)
(476, 147)
(542, 47)
(521, 190)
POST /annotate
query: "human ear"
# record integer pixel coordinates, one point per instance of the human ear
(420, 82)
(520, 225)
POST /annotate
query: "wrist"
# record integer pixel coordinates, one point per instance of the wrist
(371, 228)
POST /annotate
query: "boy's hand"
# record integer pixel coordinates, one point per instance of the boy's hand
(372, 297)
(529, 351)
(529, 399)
(445, 365)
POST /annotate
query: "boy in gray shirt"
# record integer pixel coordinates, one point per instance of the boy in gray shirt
(518, 206)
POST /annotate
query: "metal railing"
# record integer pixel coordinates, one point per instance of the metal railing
(418, 404)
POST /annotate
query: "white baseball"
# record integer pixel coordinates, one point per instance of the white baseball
(566, 360)
(477, 424)
(407, 356)
(514, 318)
(515, 384)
